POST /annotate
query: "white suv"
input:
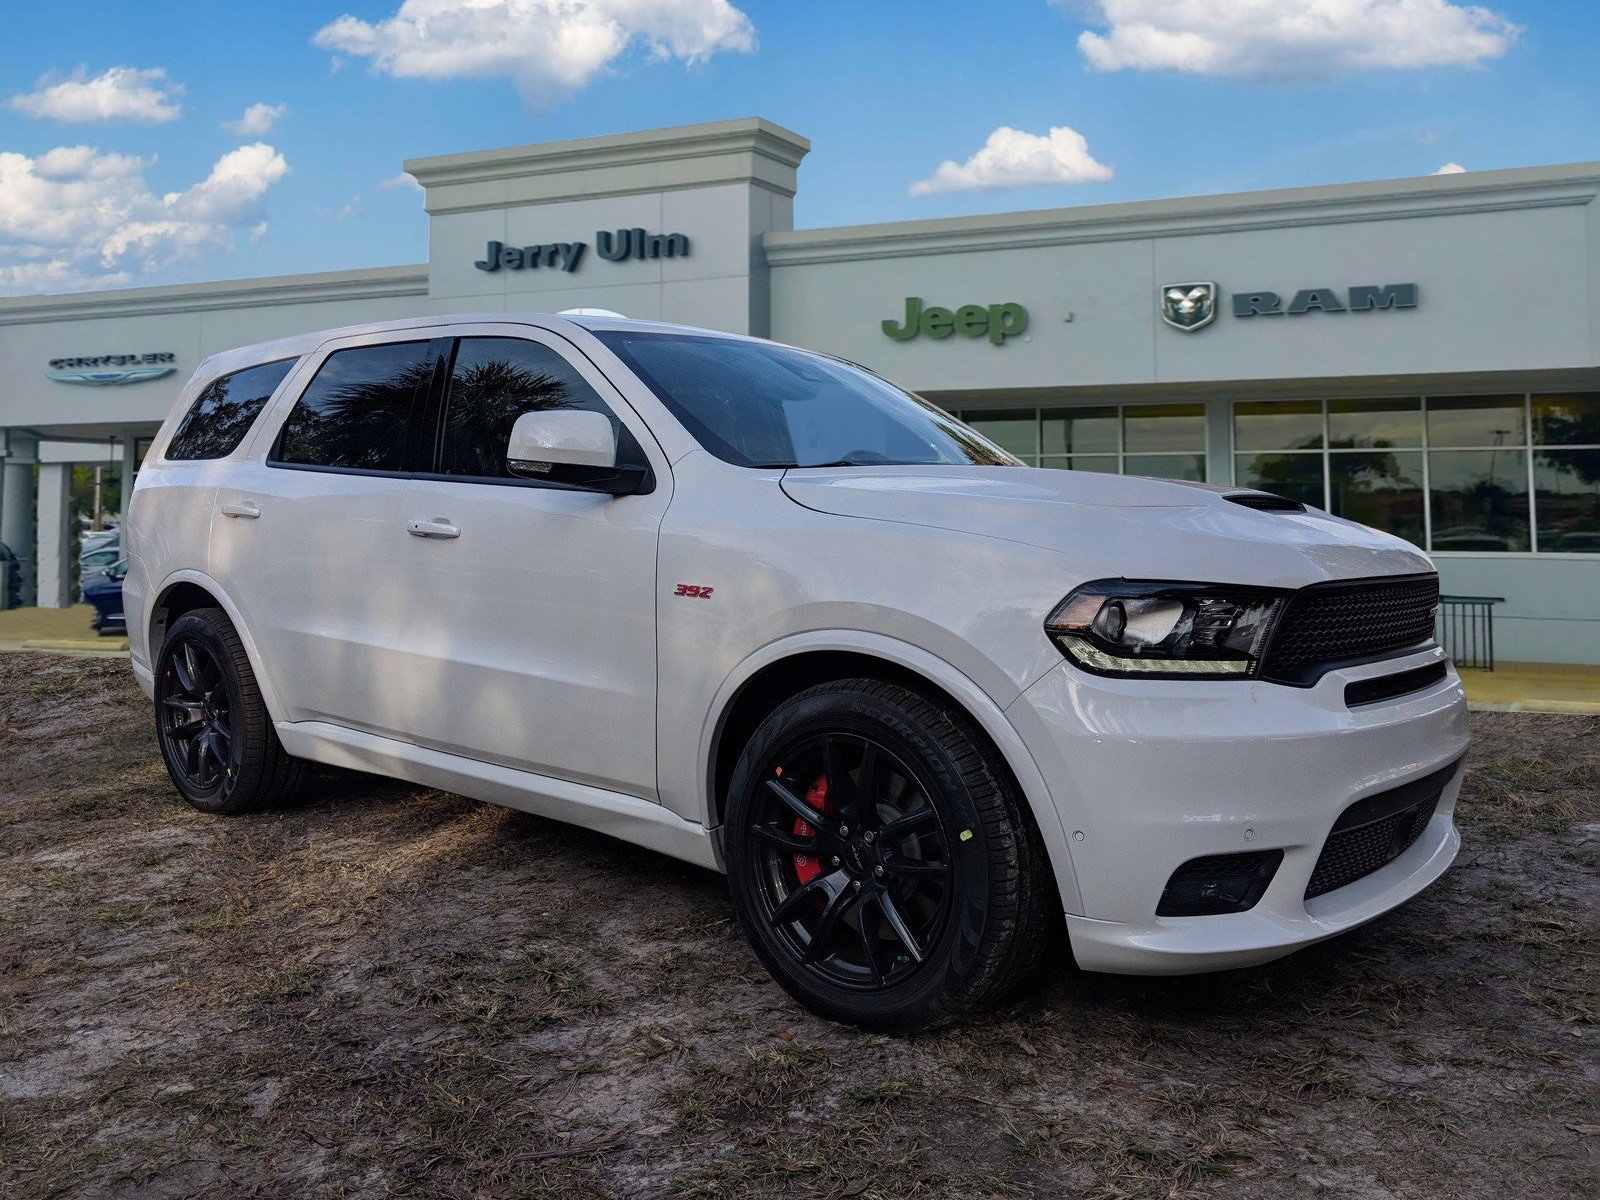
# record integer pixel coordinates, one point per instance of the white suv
(761, 610)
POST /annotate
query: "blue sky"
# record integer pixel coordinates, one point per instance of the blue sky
(1162, 98)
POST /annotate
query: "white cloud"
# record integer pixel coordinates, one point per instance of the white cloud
(1451, 168)
(75, 218)
(348, 211)
(257, 120)
(118, 94)
(1292, 38)
(1014, 159)
(400, 182)
(548, 48)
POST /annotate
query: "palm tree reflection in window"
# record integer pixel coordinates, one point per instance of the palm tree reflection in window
(487, 395)
(357, 412)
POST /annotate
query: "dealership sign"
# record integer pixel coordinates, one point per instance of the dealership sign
(996, 322)
(1192, 306)
(612, 246)
(108, 369)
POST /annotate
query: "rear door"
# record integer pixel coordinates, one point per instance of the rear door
(310, 536)
(538, 635)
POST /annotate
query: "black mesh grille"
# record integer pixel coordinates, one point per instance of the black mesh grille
(1350, 622)
(1373, 832)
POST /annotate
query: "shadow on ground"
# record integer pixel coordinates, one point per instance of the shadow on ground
(392, 991)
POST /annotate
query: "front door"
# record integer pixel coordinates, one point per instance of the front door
(539, 632)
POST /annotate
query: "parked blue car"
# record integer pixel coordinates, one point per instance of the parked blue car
(102, 587)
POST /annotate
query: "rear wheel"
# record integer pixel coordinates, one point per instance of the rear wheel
(216, 737)
(880, 862)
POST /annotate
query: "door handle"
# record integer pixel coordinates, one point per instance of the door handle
(438, 527)
(241, 508)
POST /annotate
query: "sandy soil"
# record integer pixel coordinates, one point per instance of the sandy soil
(397, 992)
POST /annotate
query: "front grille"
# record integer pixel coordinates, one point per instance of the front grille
(1330, 624)
(1372, 833)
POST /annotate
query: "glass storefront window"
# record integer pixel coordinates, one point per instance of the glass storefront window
(1297, 476)
(1479, 499)
(1381, 488)
(1476, 421)
(1106, 464)
(1167, 466)
(1278, 425)
(1167, 441)
(1374, 424)
(1163, 428)
(1079, 430)
(1566, 420)
(1016, 431)
(1566, 496)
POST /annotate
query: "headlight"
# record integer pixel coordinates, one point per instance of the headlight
(1139, 627)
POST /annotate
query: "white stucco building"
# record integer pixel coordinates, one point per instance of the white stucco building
(1422, 355)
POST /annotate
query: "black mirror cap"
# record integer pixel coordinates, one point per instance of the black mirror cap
(629, 480)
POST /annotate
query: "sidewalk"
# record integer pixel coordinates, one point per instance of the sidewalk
(59, 630)
(1534, 687)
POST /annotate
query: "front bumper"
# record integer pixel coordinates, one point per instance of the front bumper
(1148, 774)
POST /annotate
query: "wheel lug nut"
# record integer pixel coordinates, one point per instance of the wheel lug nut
(836, 860)
(856, 885)
(878, 871)
(844, 831)
(867, 837)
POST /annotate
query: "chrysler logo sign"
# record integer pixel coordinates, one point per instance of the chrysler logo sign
(110, 369)
(1192, 306)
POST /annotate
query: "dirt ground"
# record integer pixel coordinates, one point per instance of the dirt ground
(388, 991)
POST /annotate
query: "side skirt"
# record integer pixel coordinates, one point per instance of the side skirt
(641, 822)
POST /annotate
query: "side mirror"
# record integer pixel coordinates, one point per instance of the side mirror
(573, 447)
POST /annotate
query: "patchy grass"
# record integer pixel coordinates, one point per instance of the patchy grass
(389, 991)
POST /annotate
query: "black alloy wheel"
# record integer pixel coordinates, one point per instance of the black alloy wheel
(194, 713)
(855, 873)
(880, 862)
(212, 724)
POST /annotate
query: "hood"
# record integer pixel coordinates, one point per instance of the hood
(1139, 528)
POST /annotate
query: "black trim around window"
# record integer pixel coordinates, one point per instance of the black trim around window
(425, 445)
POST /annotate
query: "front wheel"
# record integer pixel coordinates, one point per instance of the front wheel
(215, 733)
(880, 862)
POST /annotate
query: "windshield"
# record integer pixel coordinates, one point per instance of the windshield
(756, 404)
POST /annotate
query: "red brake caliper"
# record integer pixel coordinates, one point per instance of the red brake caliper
(806, 866)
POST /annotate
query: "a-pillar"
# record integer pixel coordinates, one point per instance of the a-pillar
(55, 535)
(17, 507)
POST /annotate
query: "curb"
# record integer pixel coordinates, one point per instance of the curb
(1581, 708)
(78, 645)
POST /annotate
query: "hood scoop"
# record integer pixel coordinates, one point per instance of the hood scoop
(1264, 502)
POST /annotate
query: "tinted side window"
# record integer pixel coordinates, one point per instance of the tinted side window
(494, 382)
(358, 410)
(223, 413)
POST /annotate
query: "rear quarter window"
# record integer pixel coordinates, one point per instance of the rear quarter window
(224, 411)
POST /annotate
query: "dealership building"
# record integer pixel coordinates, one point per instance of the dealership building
(1420, 355)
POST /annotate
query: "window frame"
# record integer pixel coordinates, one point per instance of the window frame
(245, 437)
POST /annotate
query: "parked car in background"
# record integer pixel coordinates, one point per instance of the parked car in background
(102, 588)
(762, 610)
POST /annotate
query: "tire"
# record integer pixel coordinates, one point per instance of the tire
(936, 903)
(215, 734)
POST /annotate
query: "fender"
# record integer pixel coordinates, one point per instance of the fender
(264, 679)
(977, 703)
